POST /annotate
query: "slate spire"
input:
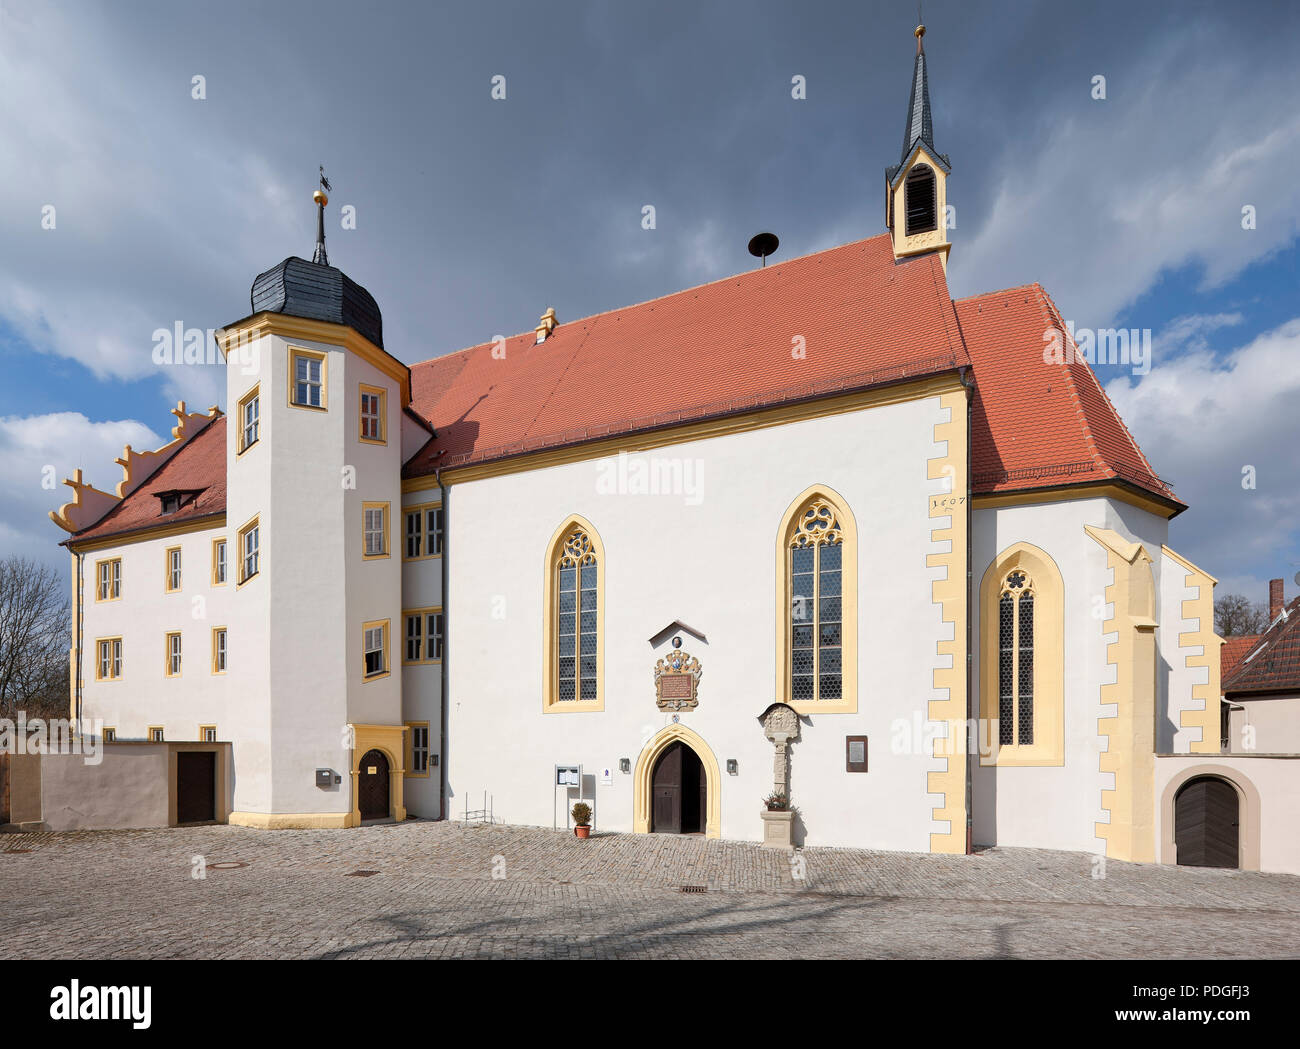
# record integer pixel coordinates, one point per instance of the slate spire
(920, 125)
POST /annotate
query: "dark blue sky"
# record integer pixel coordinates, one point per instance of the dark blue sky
(475, 214)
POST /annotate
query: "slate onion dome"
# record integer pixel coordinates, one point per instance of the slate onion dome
(318, 291)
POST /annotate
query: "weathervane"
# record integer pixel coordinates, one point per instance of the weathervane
(320, 258)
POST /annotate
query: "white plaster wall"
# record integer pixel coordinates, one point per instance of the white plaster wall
(129, 788)
(711, 565)
(1274, 719)
(1175, 680)
(1056, 807)
(142, 617)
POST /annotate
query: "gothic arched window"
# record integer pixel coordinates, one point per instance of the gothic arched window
(919, 190)
(574, 617)
(1022, 669)
(818, 640)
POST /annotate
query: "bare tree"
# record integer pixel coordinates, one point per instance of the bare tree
(34, 636)
(1235, 615)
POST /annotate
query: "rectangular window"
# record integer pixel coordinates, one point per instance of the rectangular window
(174, 655)
(423, 531)
(109, 663)
(308, 371)
(155, 734)
(414, 638)
(433, 530)
(424, 637)
(110, 735)
(433, 624)
(372, 414)
(249, 551)
(375, 647)
(173, 569)
(375, 527)
(250, 420)
(218, 562)
(418, 765)
(109, 586)
(219, 650)
(208, 733)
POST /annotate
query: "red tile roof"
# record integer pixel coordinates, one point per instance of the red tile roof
(1274, 664)
(1233, 651)
(199, 466)
(714, 350)
(1038, 424)
(725, 347)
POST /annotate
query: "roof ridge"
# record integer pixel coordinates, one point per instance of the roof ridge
(672, 294)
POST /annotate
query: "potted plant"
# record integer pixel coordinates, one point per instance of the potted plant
(582, 819)
(778, 821)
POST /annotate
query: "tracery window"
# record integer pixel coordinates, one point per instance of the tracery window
(577, 571)
(817, 604)
(1022, 659)
(574, 610)
(1016, 660)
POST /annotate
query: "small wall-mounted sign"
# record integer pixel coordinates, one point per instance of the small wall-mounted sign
(855, 753)
(607, 777)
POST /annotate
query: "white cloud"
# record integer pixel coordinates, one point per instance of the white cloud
(36, 453)
(1153, 178)
(136, 246)
(1201, 421)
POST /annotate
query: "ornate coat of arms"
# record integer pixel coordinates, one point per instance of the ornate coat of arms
(676, 676)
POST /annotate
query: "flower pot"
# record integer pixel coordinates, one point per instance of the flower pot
(582, 831)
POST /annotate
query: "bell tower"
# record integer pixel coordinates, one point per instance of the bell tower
(916, 187)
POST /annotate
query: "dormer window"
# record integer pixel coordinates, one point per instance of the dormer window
(175, 500)
(920, 200)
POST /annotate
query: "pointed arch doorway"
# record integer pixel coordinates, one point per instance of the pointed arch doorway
(677, 786)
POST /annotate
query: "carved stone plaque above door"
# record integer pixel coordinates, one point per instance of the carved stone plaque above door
(677, 677)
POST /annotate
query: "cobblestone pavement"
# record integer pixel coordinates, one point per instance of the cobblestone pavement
(131, 894)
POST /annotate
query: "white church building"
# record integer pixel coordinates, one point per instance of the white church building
(814, 529)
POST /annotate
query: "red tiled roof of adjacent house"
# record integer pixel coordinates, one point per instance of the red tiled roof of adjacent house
(725, 347)
(200, 465)
(1035, 423)
(705, 352)
(1233, 651)
(1274, 664)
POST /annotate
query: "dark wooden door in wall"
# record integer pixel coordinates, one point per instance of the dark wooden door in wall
(678, 791)
(1206, 818)
(196, 786)
(372, 786)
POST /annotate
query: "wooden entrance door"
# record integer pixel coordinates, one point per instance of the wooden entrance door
(372, 786)
(678, 792)
(667, 791)
(196, 786)
(1206, 818)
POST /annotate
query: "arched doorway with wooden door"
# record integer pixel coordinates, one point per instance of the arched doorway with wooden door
(677, 786)
(373, 793)
(1207, 820)
(680, 792)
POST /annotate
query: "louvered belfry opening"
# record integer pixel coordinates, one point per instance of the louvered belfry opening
(920, 200)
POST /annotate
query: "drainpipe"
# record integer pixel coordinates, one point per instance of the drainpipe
(446, 652)
(969, 383)
(76, 632)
